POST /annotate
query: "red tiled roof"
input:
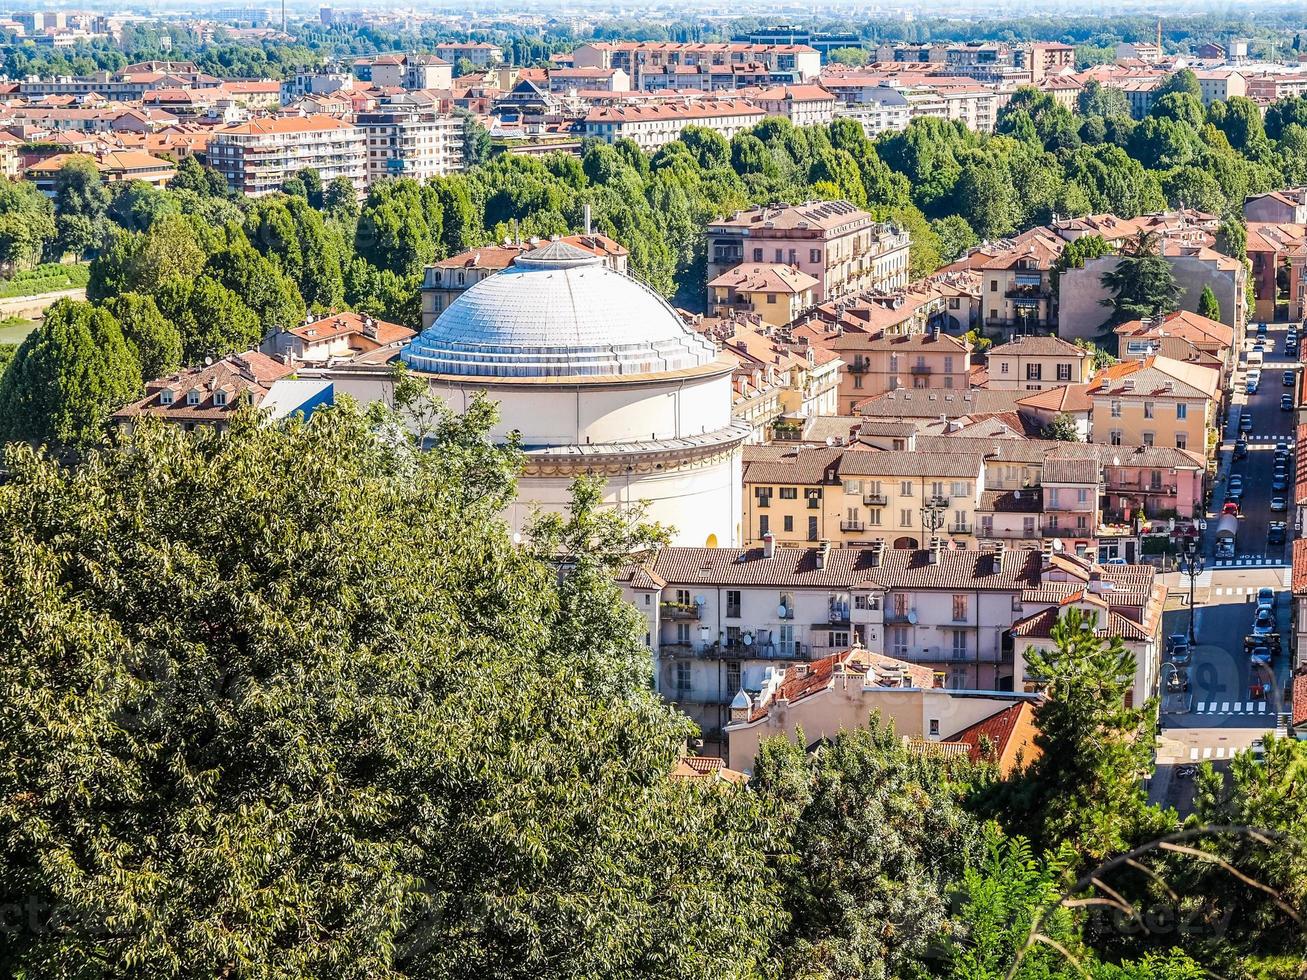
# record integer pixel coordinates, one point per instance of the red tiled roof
(1298, 699)
(1300, 566)
(997, 730)
(703, 767)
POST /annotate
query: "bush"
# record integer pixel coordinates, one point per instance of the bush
(48, 278)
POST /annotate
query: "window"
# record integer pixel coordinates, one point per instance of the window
(1181, 441)
(959, 644)
(220, 399)
(785, 637)
(732, 675)
(1116, 409)
(787, 523)
(1181, 410)
(1028, 526)
(873, 517)
(987, 526)
(837, 639)
(165, 397)
(905, 517)
(993, 285)
(959, 608)
(1064, 372)
(1082, 523)
(814, 500)
(683, 675)
(948, 363)
(934, 727)
(789, 493)
(853, 486)
(1034, 372)
(764, 496)
(812, 529)
(814, 255)
(1148, 438)
(1148, 410)
(757, 255)
(771, 299)
(959, 488)
(732, 603)
(899, 643)
(905, 488)
(1114, 437)
(1003, 367)
(646, 598)
(763, 525)
(780, 255)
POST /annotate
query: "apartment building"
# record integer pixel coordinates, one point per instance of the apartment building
(852, 495)
(652, 127)
(114, 166)
(877, 364)
(448, 279)
(1193, 337)
(787, 62)
(1287, 206)
(480, 53)
(1271, 248)
(803, 105)
(1156, 401)
(336, 335)
(718, 619)
(1033, 363)
(411, 143)
(414, 72)
(1016, 281)
(882, 110)
(1219, 84)
(609, 80)
(1045, 58)
(841, 246)
(258, 156)
(777, 293)
(842, 691)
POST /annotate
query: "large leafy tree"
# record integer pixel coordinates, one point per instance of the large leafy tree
(80, 203)
(27, 224)
(864, 902)
(67, 377)
(1085, 789)
(1143, 283)
(244, 743)
(152, 337)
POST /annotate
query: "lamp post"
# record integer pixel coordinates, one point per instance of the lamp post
(1191, 563)
(932, 519)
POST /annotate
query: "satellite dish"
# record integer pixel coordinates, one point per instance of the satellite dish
(1057, 544)
(781, 611)
(912, 618)
(699, 600)
(747, 639)
(830, 441)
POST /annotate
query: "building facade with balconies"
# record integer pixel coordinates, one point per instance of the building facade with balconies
(417, 144)
(258, 156)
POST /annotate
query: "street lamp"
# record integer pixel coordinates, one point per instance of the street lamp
(1191, 563)
(932, 519)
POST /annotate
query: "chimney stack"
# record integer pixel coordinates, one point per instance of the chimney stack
(936, 548)
(823, 552)
(769, 545)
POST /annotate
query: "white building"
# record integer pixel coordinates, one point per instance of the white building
(595, 374)
(654, 126)
(258, 156)
(405, 143)
(880, 110)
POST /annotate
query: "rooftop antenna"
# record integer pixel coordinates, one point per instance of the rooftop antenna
(283, 16)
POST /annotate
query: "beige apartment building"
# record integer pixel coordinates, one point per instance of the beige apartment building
(841, 246)
(776, 293)
(1155, 402)
(652, 127)
(852, 496)
(405, 143)
(258, 156)
(875, 365)
(1033, 363)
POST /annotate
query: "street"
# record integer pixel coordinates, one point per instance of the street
(1230, 702)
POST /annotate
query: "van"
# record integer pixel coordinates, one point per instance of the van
(1255, 358)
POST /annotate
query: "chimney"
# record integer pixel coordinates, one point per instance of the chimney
(823, 552)
(877, 555)
(936, 549)
(585, 218)
(769, 545)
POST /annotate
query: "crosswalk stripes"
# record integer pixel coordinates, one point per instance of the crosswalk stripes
(1230, 708)
(1253, 561)
(1233, 590)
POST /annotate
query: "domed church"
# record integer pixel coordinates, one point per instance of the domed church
(596, 373)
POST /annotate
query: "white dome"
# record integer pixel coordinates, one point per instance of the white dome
(558, 311)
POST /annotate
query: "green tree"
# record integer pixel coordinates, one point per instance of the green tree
(314, 752)
(1096, 99)
(67, 377)
(1085, 789)
(201, 180)
(260, 284)
(1208, 305)
(955, 237)
(853, 57)
(80, 203)
(863, 903)
(987, 199)
(1062, 427)
(27, 224)
(1143, 283)
(153, 339)
(476, 141)
(213, 321)
(1102, 358)
(1182, 81)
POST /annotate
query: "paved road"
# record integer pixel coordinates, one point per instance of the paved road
(1221, 712)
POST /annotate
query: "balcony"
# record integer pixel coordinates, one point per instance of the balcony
(920, 369)
(961, 527)
(679, 610)
(1025, 292)
(1139, 486)
(847, 526)
(859, 367)
(875, 500)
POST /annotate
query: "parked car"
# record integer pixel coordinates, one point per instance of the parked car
(1275, 533)
(1236, 480)
(1175, 640)
(1260, 655)
(1279, 482)
(1116, 561)
(1180, 654)
(1234, 495)
(1230, 507)
(1261, 329)
(1266, 597)
(1288, 379)
(1278, 506)
(1263, 622)
(1245, 421)
(1250, 386)
(1241, 449)
(1286, 403)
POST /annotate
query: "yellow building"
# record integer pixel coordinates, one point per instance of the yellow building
(1157, 401)
(777, 293)
(853, 495)
(1033, 363)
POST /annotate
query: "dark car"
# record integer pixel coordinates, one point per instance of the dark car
(1278, 505)
(1288, 379)
(1245, 421)
(1240, 448)
(1280, 482)
(1275, 535)
(1286, 403)
(1263, 622)
(1260, 655)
